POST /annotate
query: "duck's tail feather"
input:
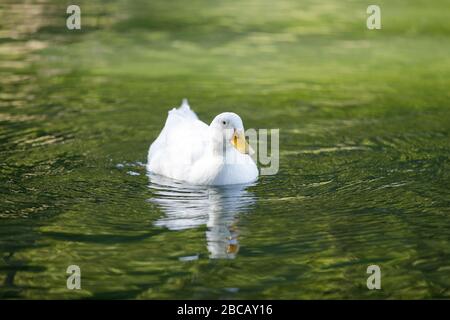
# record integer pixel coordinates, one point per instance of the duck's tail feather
(185, 104)
(183, 111)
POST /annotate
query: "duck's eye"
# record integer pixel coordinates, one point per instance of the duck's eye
(224, 122)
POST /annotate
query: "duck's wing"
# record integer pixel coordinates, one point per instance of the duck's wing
(181, 142)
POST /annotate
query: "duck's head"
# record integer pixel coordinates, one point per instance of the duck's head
(229, 129)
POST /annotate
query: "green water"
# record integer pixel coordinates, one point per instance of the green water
(364, 119)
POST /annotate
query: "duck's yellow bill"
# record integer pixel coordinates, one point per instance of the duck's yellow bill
(239, 142)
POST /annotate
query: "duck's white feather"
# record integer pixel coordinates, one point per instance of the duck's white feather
(183, 151)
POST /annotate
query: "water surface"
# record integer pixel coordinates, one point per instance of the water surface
(364, 150)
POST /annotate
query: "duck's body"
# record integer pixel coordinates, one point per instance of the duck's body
(188, 149)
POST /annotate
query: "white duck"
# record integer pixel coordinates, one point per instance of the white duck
(188, 149)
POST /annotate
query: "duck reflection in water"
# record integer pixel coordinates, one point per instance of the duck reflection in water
(189, 206)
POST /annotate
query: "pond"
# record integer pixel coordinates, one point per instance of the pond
(363, 178)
